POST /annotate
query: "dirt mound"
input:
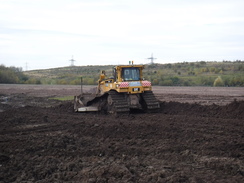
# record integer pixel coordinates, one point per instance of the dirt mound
(233, 110)
(66, 107)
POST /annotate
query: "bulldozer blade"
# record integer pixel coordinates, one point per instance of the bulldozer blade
(86, 109)
(80, 103)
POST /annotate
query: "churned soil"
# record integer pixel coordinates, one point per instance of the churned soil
(195, 137)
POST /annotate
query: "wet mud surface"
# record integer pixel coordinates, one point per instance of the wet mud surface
(43, 140)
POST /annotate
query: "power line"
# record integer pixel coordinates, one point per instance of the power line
(26, 66)
(152, 59)
(72, 61)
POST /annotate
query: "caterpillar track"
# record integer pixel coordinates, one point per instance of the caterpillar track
(117, 103)
(151, 104)
(120, 103)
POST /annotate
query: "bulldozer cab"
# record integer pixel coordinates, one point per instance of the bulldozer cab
(128, 73)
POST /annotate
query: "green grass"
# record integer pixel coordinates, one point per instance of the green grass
(64, 98)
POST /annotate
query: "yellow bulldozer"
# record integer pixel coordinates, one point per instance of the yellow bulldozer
(126, 90)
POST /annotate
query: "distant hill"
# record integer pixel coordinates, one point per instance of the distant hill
(201, 73)
(69, 75)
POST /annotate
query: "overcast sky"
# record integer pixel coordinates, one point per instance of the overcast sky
(46, 33)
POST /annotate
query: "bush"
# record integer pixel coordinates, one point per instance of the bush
(218, 81)
(12, 75)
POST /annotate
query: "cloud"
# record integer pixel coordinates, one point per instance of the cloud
(107, 32)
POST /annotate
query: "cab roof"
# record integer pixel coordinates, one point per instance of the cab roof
(129, 66)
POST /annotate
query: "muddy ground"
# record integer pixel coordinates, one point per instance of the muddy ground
(197, 136)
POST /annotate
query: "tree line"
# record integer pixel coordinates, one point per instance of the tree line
(197, 74)
(15, 75)
(201, 73)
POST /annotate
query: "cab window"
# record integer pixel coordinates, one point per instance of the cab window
(131, 74)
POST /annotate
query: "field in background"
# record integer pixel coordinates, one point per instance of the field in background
(201, 95)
